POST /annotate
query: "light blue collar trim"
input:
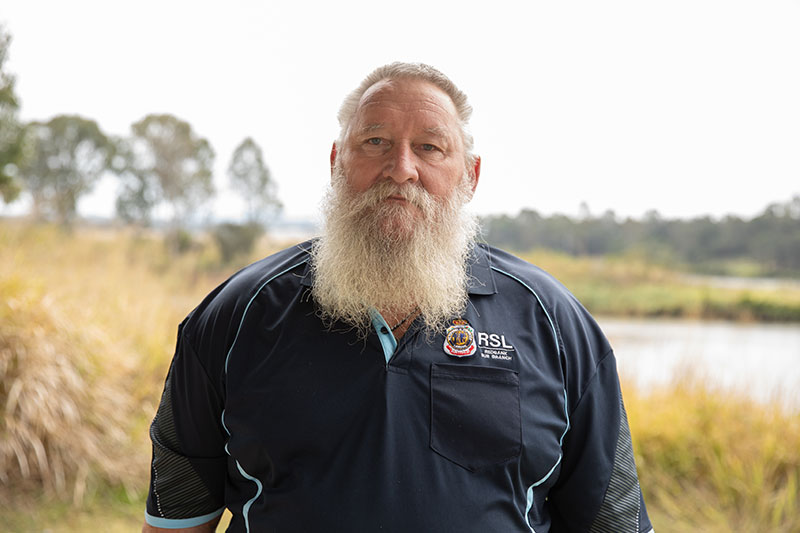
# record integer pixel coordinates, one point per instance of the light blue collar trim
(385, 335)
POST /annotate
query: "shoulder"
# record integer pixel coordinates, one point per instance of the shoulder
(222, 309)
(581, 343)
(249, 280)
(533, 278)
(515, 274)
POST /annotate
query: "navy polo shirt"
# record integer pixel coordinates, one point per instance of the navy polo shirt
(511, 420)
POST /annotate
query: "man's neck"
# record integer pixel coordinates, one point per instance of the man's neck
(400, 321)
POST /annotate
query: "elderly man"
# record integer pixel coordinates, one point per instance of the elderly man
(394, 375)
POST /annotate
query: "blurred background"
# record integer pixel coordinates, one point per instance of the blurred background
(647, 154)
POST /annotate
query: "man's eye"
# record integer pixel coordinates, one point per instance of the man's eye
(375, 141)
(428, 147)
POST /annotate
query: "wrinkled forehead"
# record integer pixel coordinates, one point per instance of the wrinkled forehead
(407, 88)
(407, 96)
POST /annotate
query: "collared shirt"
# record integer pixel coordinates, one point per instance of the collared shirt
(511, 420)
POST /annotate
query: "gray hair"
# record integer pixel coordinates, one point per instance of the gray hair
(419, 71)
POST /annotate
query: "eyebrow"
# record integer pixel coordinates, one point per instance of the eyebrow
(436, 131)
(369, 128)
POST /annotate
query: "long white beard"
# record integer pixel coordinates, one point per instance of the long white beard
(386, 256)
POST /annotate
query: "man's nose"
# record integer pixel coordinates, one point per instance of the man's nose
(401, 166)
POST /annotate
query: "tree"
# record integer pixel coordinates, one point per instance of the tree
(67, 156)
(136, 198)
(250, 177)
(163, 162)
(10, 128)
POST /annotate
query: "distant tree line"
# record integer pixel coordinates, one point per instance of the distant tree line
(770, 241)
(162, 166)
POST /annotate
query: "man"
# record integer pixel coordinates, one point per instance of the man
(393, 375)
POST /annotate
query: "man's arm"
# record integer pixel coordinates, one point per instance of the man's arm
(189, 465)
(208, 527)
(598, 487)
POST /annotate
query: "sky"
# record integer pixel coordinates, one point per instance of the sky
(689, 108)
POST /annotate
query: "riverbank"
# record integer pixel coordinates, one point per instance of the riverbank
(633, 287)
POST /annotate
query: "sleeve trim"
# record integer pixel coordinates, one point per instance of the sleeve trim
(178, 523)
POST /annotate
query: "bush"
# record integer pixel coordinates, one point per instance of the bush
(236, 240)
(179, 241)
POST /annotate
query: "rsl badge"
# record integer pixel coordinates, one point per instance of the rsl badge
(459, 339)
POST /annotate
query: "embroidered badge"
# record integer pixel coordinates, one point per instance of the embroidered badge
(459, 340)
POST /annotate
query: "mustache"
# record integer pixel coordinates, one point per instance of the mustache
(414, 194)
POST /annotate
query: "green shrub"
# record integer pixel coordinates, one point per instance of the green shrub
(235, 240)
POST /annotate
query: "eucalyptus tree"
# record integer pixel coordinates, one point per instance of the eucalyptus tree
(65, 158)
(252, 179)
(163, 162)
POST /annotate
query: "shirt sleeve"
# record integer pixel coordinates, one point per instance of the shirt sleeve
(598, 487)
(187, 476)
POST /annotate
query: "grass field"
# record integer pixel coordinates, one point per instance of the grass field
(87, 326)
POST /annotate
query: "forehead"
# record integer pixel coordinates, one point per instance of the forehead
(406, 101)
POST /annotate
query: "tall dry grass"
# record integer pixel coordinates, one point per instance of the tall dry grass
(713, 460)
(87, 325)
(63, 419)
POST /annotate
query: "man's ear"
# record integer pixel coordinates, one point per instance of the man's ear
(476, 173)
(333, 156)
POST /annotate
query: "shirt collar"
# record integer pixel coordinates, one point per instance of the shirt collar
(480, 279)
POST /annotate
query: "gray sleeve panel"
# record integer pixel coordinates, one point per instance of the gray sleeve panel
(176, 489)
(163, 426)
(622, 509)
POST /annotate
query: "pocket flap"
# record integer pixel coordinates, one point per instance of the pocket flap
(475, 414)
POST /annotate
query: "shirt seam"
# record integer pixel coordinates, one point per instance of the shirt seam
(591, 379)
(196, 357)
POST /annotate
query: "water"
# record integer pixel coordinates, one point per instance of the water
(759, 360)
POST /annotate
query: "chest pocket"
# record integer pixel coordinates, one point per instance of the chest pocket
(475, 414)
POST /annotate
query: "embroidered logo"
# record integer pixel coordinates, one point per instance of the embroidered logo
(459, 340)
(494, 346)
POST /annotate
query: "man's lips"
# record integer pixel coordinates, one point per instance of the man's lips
(397, 198)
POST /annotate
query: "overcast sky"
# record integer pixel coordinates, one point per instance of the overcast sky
(688, 107)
